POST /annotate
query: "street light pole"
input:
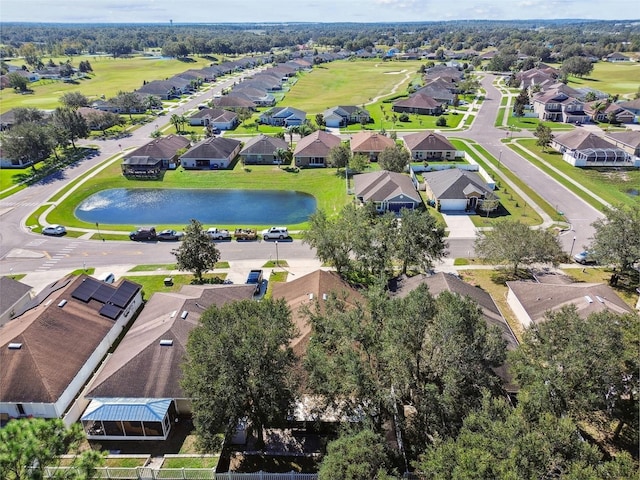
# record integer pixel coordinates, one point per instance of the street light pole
(572, 245)
(277, 258)
(500, 157)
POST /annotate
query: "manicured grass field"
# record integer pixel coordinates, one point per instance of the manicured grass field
(324, 184)
(109, 77)
(615, 78)
(612, 184)
(354, 82)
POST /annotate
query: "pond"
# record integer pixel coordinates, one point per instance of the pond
(170, 206)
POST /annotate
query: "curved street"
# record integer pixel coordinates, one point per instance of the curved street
(24, 252)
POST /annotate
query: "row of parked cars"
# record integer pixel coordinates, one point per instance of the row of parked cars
(216, 234)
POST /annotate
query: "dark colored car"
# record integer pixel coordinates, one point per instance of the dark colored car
(255, 278)
(170, 235)
(143, 233)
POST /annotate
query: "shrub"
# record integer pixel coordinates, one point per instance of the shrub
(441, 121)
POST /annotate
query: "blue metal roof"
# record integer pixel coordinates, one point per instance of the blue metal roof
(127, 409)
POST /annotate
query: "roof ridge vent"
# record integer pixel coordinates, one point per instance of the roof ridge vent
(15, 346)
(184, 314)
(166, 342)
(588, 299)
(599, 298)
(62, 303)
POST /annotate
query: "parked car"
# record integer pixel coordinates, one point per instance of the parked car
(245, 234)
(54, 230)
(170, 235)
(584, 257)
(107, 277)
(255, 278)
(218, 234)
(275, 233)
(143, 233)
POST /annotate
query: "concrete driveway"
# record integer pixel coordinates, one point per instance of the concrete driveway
(459, 225)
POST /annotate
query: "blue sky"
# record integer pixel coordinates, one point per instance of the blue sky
(224, 11)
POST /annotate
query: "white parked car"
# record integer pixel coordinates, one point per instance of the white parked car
(54, 230)
(275, 233)
(218, 234)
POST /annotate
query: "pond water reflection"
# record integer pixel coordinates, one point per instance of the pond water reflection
(177, 206)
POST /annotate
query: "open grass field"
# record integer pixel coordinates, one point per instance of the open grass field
(612, 184)
(355, 82)
(110, 76)
(324, 184)
(622, 78)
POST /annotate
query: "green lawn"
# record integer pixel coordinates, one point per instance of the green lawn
(155, 283)
(512, 205)
(191, 462)
(324, 184)
(615, 78)
(612, 184)
(109, 77)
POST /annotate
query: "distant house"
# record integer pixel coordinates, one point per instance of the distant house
(259, 96)
(160, 153)
(234, 102)
(163, 89)
(137, 394)
(7, 120)
(419, 103)
(389, 191)
(610, 110)
(632, 105)
(446, 282)
(455, 189)
(617, 57)
(429, 146)
(283, 117)
(313, 150)
(582, 148)
(211, 153)
(531, 301)
(261, 150)
(50, 349)
(214, 117)
(344, 115)
(439, 92)
(370, 144)
(15, 295)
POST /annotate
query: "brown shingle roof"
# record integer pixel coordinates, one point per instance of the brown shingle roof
(162, 147)
(370, 142)
(263, 145)
(581, 140)
(427, 141)
(383, 185)
(317, 144)
(142, 368)
(56, 343)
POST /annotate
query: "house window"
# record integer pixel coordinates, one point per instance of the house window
(20, 409)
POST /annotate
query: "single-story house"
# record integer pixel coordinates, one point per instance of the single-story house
(7, 120)
(160, 153)
(310, 290)
(283, 117)
(420, 104)
(632, 105)
(344, 115)
(629, 141)
(530, 301)
(428, 145)
(234, 102)
(455, 189)
(50, 349)
(447, 282)
(370, 144)
(137, 393)
(259, 96)
(617, 57)
(620, 114)
(389, 191)
(582, 148)
(261, 150)
(214, 117)
(15, 295)
(163, 89)
(211, 153)
(313, 150)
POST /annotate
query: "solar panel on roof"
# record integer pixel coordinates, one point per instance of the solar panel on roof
(103, 293)
(124, 294)
(85, 290)
(110, 311)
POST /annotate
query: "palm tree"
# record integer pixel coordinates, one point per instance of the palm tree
(281, 154)
(175, 121)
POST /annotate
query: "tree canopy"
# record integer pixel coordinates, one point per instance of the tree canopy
(197, 253)
(27, 446)
(514, 243)
(238, 367)
(394, 159)
(616, 239)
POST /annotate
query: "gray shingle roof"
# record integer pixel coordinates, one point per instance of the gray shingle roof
(451, 183)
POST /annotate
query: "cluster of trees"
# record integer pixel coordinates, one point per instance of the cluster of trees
(362, 243)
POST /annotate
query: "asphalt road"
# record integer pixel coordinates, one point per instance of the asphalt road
(22, 251)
